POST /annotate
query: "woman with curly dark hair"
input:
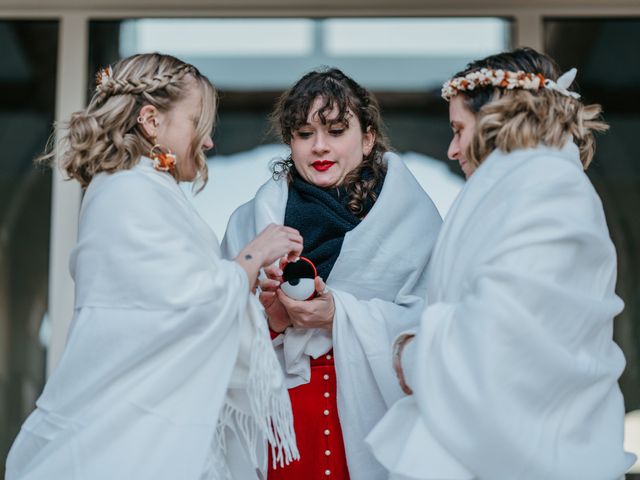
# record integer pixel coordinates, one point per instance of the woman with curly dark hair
(369, 229)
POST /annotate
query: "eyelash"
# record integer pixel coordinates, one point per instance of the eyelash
(336, 132)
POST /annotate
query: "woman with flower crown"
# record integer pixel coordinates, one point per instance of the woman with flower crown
(168, 372)
(512, 373)
(369, 228)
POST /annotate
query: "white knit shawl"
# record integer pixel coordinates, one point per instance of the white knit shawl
(168, 372)
(378, 283)
(514, 368)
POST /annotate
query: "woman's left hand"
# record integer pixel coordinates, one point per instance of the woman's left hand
(315, 313)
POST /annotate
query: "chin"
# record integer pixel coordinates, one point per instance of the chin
(323, 181)
(468, 172)
(324, 184)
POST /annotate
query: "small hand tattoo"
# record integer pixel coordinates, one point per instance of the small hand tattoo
(248, 256)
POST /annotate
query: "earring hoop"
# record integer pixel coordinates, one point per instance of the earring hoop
(164, 160)
(140, 119)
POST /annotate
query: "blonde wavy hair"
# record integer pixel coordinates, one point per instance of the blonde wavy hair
(106, 136)
(514, 119)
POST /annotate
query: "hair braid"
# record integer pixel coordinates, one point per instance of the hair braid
(105, 137)
(136, 86)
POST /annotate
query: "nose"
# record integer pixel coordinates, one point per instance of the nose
(454, 149)
(208, 144)
(320, 145)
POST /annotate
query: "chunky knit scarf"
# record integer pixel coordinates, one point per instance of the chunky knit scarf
(323, 218)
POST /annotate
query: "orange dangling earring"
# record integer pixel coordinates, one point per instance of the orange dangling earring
(164, 160)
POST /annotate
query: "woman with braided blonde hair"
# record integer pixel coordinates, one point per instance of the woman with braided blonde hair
(369, 228)
(168, 372)
(512, 373)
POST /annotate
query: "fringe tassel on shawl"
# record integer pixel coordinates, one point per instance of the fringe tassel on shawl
(270, 416)
(270, 404)
(215, 467)
(244, 426)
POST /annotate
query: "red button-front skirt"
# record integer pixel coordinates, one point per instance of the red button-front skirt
(318, 432)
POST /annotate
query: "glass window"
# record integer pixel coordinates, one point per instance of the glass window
(605, 52)
(27, 82)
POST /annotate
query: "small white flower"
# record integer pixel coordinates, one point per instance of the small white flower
(103, 76)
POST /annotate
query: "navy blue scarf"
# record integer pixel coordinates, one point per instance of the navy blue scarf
(322, 218)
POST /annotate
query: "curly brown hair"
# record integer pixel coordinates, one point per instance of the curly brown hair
(513, 119)
(106, 137)
(342, 92)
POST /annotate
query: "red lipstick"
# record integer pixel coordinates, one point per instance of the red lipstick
(322, 165)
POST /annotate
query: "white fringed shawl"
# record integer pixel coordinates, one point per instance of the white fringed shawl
(378, 283)
(514, 369)
(168, 372)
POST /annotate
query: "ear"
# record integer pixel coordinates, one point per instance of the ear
(368, 140)
(148, 120)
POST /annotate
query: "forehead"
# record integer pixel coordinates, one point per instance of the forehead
(325, 110)
(459, 112)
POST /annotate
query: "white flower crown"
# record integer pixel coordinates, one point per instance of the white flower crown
(486, 77)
